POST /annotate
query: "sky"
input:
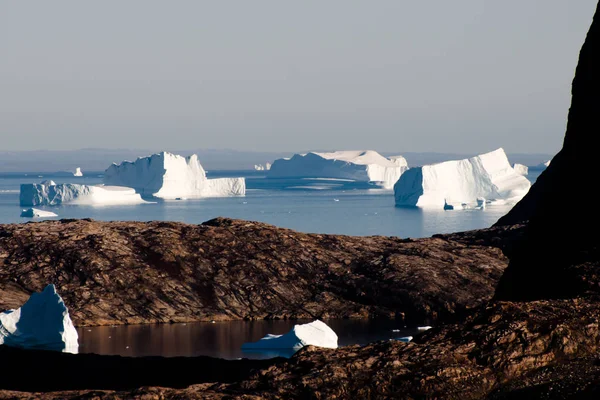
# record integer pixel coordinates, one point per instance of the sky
(463, 76)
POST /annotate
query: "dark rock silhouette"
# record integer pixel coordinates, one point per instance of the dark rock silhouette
(559, 255)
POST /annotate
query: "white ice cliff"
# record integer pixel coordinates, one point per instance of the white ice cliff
(462, 183)
(169, 176)
(315, 333)
(365, 166)
(43, 322)
(39, 194)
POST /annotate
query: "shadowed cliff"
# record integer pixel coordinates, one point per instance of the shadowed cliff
(558, 257)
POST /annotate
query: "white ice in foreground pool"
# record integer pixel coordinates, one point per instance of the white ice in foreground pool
(170, 176)
(35, 213)
(37, 194)
(362, 166)
(315, 333)
(459, 184)
(43, 322)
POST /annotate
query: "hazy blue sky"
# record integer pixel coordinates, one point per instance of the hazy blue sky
(451, 76)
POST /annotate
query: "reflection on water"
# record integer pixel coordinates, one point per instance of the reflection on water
(219, 339)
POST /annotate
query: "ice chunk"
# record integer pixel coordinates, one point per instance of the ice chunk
(521, 169)
(458, 184)
(33, 194)
(43, 322)
(363, 166)
(35, 213)
(405, 339)
(315, 333)
(48, 183)
(260, 167)
(169, 176)
(78, 172)
(424, 328)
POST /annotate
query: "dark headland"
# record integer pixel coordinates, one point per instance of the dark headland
(516, 307)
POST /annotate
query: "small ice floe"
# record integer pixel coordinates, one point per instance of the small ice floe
(35, 213)
(315, 333)
(244, 202)
(395, 330)
(423, 328)
(405, 339)
(336, 199)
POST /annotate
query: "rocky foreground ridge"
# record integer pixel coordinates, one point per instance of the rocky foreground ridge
(145, 272)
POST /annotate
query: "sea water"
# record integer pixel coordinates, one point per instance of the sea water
(307, 205)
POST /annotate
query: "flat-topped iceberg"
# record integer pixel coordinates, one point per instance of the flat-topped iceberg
(460, 183)
(43, 322)
(39, 194)
(315, 333)
(35, 213)
(364, 166)
(169, 176)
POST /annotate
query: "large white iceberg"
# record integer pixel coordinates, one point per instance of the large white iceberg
(169, 176)
(39, 194)
(35, 213)
(43, 322)
(365, 166)
(315, 333)
(460, 183)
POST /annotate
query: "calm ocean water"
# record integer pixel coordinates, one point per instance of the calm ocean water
(308, 205)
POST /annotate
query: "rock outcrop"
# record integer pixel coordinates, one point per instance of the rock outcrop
(145, 272)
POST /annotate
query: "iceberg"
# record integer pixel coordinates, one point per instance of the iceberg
(38, 194)
(521, 169)
(43, 322)
(35, 213)
(48, 182)
(260, 167)
(315, 333)
(541, 166)
(462, 184)
(363, 166)
(77, 173)
(170, 176)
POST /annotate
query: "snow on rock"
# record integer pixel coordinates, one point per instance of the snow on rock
(43, 322)
(521, 169)
(37, 194)
(35, 213)
(169, 176)
(365, 166)
(78, 172)
(315, 333)
(459, 184)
